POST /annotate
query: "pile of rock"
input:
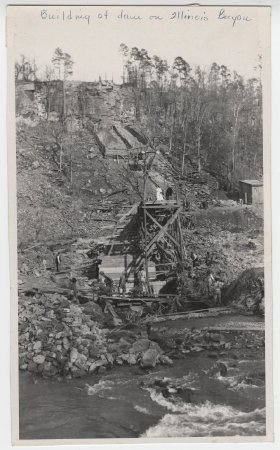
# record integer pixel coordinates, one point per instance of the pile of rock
(247, 291)
(59, 338)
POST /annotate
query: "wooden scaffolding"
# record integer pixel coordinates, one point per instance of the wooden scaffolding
(160, 234)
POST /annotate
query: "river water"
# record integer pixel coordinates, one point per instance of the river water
(126, 403)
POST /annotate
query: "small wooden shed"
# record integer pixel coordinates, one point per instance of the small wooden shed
(251, 191)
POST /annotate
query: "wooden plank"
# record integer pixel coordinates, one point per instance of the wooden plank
(145, 299)
(47, 290)
(159, 207)
(240, 328)
(164, 203)
(209, 312)
(132, 210)
(169, 254)
(212, 310)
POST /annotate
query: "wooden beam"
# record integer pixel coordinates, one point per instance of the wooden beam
(160, 227)
(163, 230)
(169, 254)
(182, 247)
(161, 206)
(149, 248)
(133, 209)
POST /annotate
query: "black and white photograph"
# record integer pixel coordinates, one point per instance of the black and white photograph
(142, 247)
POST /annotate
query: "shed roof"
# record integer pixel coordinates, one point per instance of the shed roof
(252, 182)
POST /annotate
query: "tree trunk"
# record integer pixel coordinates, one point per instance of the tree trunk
(60, 159)
(64, 103)
(199, 149)
(145, 224)
(172, 128)
(236, 115)
(48, 102)
(71, 171)
(184, 150)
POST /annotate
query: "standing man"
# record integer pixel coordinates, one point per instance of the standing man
(108, 283)
(218, 292)
(97, 263)
(194, 259)
(208, 259)
(73, 287)
(122, 283)
(44, 264)
(159, 194)
(57, 261)
(142, 278)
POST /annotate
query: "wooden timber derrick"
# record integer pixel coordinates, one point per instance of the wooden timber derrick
(160, 234)
(156, 238)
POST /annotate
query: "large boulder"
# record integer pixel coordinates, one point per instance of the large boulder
(39, 359)
(93, 310)
(73, 355)
(140, 346)
(247, 291)
(129, 359)
(37, 345)
(96, 365)
(150, 358)
(81, 362)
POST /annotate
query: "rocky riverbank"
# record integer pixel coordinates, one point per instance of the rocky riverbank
(60, 338)
(216, 387)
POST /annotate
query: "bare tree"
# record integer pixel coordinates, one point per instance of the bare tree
(63, 65)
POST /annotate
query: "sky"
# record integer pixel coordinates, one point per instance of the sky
(233, 36)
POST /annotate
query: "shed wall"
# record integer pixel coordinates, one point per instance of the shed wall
(257, 194)
(246, 193)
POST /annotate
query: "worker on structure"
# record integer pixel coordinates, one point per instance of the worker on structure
(108, 282)
(142, 278)
(57, 261)
(159, 195)
(97, 264)
(122, 283)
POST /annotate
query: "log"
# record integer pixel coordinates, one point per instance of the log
(46, 290)
(116, 192)
(103, 220)
(183, 315)
(32, 246)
